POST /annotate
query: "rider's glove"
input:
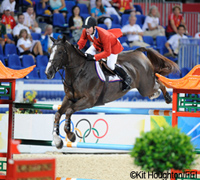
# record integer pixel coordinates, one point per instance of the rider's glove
(76, 45)
(90, 57)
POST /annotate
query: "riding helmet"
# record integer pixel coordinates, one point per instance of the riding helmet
(89, 22)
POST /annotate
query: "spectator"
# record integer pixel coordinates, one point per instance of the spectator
(134, 33)
(75, 24)
(197, 35)
(99, 13)
(174, 41)
(30, 21)
(3, 36)
(174, 20)
(124, 6)
(19, 27)
(8, 20)
(109, 9)
(46, 9)
(45, 38)
(28, 46)
(11, 4)
(58, 6)
(151, 25)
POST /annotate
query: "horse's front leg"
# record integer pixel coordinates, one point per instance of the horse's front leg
(81, 104)
(56, 138)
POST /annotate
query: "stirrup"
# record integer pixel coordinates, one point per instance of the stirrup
(155, 95)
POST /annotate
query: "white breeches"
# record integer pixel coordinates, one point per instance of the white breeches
(111, 60)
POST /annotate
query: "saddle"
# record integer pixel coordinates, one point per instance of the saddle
(106, 70)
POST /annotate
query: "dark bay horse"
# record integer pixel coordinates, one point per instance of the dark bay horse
(83, 88)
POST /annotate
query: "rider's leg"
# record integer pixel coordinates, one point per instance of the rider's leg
(111, 61)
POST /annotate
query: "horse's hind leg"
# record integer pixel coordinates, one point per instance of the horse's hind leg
(166, 95)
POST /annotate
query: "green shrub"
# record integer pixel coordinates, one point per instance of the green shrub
(163, 149)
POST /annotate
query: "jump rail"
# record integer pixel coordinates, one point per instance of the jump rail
(113, 110)
(78, 145)
(83, 145)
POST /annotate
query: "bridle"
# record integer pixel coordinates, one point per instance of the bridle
(61, 66)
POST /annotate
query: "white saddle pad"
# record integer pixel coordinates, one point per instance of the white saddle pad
(102, 76)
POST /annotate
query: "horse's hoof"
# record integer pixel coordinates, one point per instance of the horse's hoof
(59, 145)
(71, 136)
(168, 98)
(155, 95)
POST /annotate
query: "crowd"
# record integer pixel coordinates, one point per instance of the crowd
(17, 27)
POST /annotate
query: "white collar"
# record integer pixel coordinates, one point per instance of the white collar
(92, 36)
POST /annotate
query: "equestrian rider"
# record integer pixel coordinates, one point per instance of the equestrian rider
(105, 42)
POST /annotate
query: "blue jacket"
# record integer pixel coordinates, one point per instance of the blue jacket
(44, 41)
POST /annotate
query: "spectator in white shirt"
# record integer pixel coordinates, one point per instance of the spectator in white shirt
(27, 46)
(197, 35)
(174, 41)
(134, 33)
(30, 21)
(19, 27)
(151, 25)
(6, 3)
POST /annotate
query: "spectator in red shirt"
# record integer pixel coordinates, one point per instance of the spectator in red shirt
(3, 36)
(174, 20)
(124, 6)
(8, 20)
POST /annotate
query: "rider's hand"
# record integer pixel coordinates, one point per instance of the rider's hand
(90, 57)
(76, 45)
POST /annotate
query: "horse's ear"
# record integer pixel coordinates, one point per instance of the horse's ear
(52, 39)
(59, 38)
(64, 39)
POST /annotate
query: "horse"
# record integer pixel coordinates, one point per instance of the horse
(83, 88)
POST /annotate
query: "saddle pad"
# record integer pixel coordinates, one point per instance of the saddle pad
(102, 76)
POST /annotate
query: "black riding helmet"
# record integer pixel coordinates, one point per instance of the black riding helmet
(89, 22)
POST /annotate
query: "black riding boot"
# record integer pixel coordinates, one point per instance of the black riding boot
(125, 77)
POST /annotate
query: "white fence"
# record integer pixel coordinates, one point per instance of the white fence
(189, 52)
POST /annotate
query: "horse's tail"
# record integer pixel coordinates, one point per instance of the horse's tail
(161, 64)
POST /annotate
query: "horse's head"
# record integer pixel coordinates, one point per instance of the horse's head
(58, 57)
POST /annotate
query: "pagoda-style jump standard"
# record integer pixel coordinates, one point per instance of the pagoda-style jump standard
(7, 96)
(186, 101)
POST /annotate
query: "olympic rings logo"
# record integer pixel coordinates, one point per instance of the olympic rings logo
(90, 129)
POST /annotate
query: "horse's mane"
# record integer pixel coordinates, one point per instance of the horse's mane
(64, 41)
(78, 51)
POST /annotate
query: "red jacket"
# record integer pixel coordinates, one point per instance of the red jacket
(105, 41)
(8, 20)
(177, 21)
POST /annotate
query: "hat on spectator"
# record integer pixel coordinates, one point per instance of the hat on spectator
(7, 8)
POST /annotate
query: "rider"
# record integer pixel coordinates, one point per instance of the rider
(105, 42)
